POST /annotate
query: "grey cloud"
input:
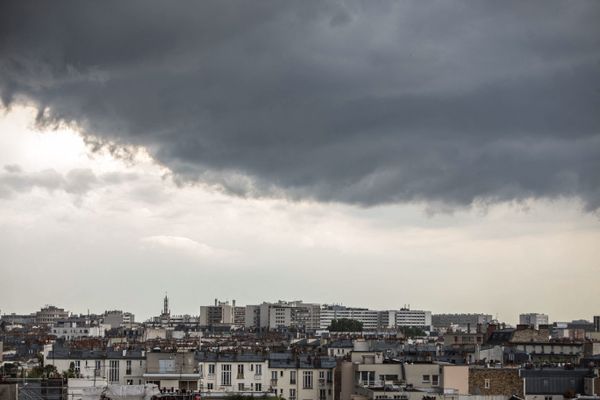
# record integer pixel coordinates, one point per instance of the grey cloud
(361, 102)
(77, 181)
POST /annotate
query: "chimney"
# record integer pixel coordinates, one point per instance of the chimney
(216, 302)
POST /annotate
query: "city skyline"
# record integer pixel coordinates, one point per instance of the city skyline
(512, 320)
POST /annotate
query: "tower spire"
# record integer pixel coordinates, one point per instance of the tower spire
(166, 305)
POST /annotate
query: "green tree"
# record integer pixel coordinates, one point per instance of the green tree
(10, 370)
(71, 372)
(412, 331)
(345, 325)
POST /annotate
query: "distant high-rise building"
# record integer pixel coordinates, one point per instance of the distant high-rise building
(415, 318)
(118, 318)
(533, 319)
(370, 319)
(596, 323)
(221, 313)
(462, 321)
(284, 314)
(50, 315)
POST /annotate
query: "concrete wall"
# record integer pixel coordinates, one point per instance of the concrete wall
(8, 391)
(347, 380)
(416, 372)
(455, 378)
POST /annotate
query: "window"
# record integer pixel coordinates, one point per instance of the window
(130, 381)
(209, 386)
(166, 366)
(425, 378)
(128, 368)
(307, 379)
(274, 376)
(97, 368)
(322, 394)
(77, 367)
(321, 374)
(226, 374)
(240, 374)
(113, 371)
(329, 376)
(258, 387)
(292, 377)
(486, 383)
(240, 387)
(251, 367)
(211, 369)
(281, 374)
(292, 394)
(367, 378)
(258, 369)
(435, 380)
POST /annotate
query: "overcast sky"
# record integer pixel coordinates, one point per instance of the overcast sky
(442, 154)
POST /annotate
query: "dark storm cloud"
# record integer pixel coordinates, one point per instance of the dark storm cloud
(360, 102)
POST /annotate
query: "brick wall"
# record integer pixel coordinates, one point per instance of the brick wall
(501, 382)
(530, 335)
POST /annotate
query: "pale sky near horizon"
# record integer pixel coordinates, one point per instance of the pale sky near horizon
(85, 230)
(442, 154)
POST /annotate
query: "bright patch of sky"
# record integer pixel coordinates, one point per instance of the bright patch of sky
(87, 230)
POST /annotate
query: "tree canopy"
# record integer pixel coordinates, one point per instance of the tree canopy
(345, 325)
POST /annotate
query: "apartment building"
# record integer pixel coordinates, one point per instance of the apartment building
(283, 314)
(371, 319)
(72, 330)
(461, 322)
(533, 319)
(302, 377)
(239, 373)
(221, 313)
(49, 315)
(172, 370)
(375, 377)
(117, 318)
(416, 318)
(117, 367)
